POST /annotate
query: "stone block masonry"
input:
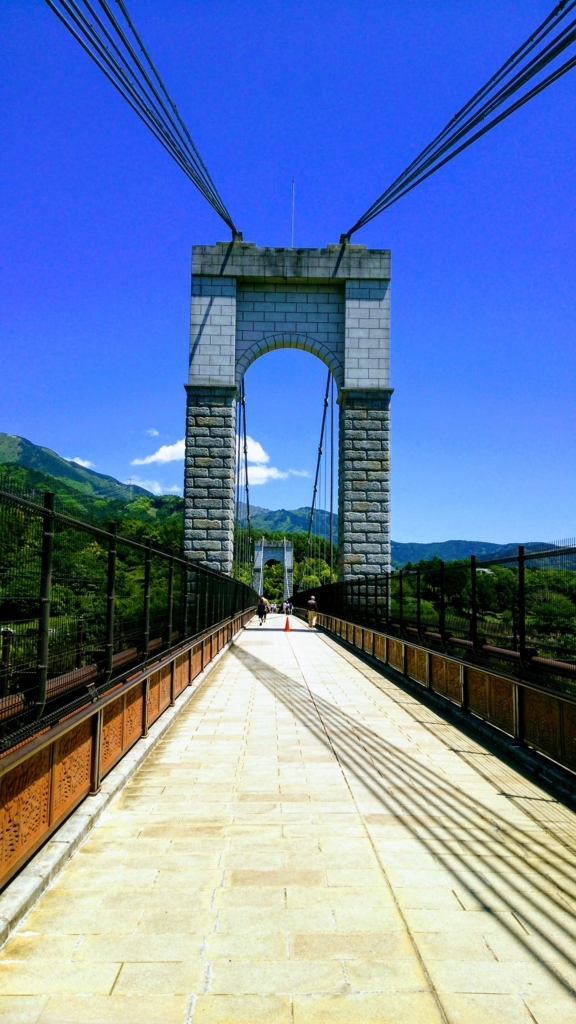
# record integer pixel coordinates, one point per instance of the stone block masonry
(209, 476)
(333, 303)
(364, 482)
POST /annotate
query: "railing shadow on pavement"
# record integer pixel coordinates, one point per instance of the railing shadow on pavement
(539, 893)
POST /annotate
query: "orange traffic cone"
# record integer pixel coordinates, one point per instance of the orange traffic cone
(287, 626)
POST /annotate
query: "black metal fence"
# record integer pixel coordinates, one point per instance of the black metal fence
(517, 613)
(80, 605)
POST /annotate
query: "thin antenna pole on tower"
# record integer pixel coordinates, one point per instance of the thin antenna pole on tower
(292, 218)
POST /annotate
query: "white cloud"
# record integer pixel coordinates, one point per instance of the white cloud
(258, 475)
(152, 432)
(166, 453)
(254, 451)
(262, 474)
(259, 472)
(154, 486)
(82, 462)
(148, 485)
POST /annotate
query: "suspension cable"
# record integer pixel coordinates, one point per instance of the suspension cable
(246, 485)
(460, 131)
(108, 44)
(315, 489)
(331, 476)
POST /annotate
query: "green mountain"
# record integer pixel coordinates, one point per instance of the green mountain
(81, 492)
(291, 520)
(447, 550)
(296, 521)
(19, 451)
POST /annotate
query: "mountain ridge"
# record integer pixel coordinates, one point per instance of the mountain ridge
(15, 450)
(18, 450)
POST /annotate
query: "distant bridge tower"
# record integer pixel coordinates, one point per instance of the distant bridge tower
(334, 303)
(268, 550)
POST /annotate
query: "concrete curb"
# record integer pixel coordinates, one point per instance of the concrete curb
(32, 881)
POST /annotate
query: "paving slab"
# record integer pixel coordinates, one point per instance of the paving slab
(305, 845)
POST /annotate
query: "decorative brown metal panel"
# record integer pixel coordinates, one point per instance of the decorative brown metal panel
(569, 734)
(112, 733)
(452, 680)
(24, 808)
(380, 647)
(181, 670)
(39, 793)
(206, 650)
(368, 640)
(478, 692)
(196, 660)
(395, 654)
(357, 636)
(132, 716)
(438, 673)
(164, 688)
(502, 703)
(416, 663)
(71, 768)
(153, 698)
(541, 720)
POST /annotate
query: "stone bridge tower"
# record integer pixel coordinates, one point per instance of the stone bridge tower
(334, 303)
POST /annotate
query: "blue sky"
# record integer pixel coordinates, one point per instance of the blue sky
(97, 225)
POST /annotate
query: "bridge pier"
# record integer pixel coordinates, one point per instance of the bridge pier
(333, 303)
(209, 475)
(364, 482)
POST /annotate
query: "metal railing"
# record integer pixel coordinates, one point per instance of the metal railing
(82, 606)
(516, 613)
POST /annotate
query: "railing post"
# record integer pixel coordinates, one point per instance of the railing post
(172, 682)
(517, 712)
(401, 598)
(387, 599)
(521, 604)
(96, 752)
(147, 574)
(474, 603)
(186, 598)
(145, 695)
(110, 598)
(196, 579)
(79, 642)
(170, 600)
(45, 591)
(442, 613)
(418, 602)
(199, 577)
(464, 680)
(7, 635)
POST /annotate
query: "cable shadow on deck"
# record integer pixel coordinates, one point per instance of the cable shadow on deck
(541, 903)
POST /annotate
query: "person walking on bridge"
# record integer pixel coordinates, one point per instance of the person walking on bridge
(261, 610)
(312, 607)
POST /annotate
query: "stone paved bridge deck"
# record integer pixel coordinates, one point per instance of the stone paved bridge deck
(308, 844)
